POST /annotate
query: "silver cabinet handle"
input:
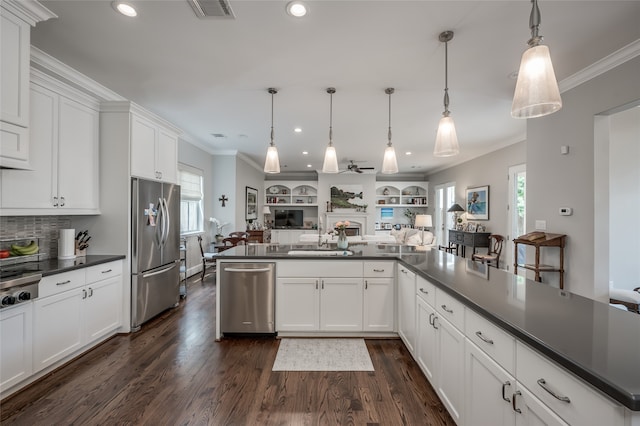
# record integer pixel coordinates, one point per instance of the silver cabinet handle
(378, 270)
(61, 201)
(64, 282)
(323, 284)
(433, 323)
(366, 284)
(404, 271)
(543, 385)
(107, 271)
(504, 386)
(444, 307)
(84, 293)
(90, 292)
(513, 402)
(484, 339)
(431, 319)
(316, 284)
(55, 201)
(424, 291)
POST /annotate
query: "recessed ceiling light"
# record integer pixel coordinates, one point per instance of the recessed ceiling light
(305, 152)
(308, 165)
(297, 130)
(125, 8)
(297, 9)
(408, 153)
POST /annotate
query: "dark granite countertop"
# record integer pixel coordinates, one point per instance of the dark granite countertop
(56, 266)
(595, 341)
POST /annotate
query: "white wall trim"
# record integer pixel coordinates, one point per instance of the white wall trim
(30, 11)
(605, 64)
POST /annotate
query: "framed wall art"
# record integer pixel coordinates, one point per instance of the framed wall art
(478, 203)
(251, 203)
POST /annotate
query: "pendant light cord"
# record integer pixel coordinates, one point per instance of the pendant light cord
(272, 119)
(389, 91)
(331, 91)
(446, 78)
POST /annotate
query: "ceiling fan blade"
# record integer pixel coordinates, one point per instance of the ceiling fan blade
(366, 168)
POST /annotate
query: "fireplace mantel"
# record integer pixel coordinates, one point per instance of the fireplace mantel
(360, 218)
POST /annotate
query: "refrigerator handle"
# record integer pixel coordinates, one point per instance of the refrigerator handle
(160, 224)
(166, 222)
(162, 271)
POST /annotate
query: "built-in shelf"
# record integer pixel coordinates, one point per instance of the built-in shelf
(402, 194)
(293, 193)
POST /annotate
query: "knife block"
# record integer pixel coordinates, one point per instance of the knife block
(80, 253)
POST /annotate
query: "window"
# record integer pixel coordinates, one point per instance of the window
(191, 194)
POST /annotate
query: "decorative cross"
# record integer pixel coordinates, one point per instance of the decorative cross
(223, 199)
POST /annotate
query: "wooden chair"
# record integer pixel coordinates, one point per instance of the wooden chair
(239, 234)
(492, 257)
(208, 259)
(451, 248)
(630, 299)
(229, 242)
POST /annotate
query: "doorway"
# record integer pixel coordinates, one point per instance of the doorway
(517, 215)
(445, 195)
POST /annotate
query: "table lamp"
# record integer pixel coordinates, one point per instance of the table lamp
(455, 208)
(266, 211)
(423, 221)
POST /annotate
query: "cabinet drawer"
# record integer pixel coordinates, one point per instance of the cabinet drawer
(58, 283)
(450, 309)
(379, 269)
(582, 405)
(497, 343)
(104, 271)
(319, 268)
(426, 291)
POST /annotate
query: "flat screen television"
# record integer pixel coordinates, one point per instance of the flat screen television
(288, 218)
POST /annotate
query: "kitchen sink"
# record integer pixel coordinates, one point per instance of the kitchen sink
(319, 252)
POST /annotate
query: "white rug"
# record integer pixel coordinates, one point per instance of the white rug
(322, 355)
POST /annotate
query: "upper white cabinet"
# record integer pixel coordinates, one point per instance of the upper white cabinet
(154, 150)
(16, 19)
(64, 155)
(401, 194)
(286, 193)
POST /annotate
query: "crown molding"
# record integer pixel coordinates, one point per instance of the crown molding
(29, 11)
(605, 64)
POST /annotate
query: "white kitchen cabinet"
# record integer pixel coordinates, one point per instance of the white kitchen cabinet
(379, 296)
(297, 304)
(16, 333)
(16, 19)
(450, 367)
(154, 150)
(530, 411)
(64, 154)
(76, 309)
(341, 304)
(288, 236)
(407, 307)
(426, 340)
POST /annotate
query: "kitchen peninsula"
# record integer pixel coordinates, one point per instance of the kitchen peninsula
(531, 337)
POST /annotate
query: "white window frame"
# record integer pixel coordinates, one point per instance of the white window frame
(191, 199)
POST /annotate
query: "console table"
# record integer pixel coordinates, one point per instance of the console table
(469, 239)
(548, 240)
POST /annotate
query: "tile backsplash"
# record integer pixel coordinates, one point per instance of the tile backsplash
(45, 228)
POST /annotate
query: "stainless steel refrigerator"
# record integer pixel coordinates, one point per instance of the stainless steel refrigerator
(155, 251)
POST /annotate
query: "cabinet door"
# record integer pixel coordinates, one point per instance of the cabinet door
(532, 412)
(78, 168)
(450, 361)
(426, 340)
(407, 307)
(297, 304)
(102, 311)
(143, 148)
(488, 389)
(167, 156)
(341, 304)
(57, 326)
(36, 188)
(16, 325)
(378, 306)
(14, 69)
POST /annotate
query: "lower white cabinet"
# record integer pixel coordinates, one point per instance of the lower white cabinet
(449, 370)
(341, 304)
(16, 333)
(379, 296)
(530, 411)
(65, 321)
(426, 340)
(407, 307)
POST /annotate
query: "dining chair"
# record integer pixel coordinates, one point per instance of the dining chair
(492, 256)
(208, 259)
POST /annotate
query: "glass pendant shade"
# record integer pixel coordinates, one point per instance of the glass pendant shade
(446, 138)
(537, 92)
(330, 164)
(272, 162)
(389, 163)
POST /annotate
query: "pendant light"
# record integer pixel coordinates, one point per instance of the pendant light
(537, 92)
(446, 138)
(389, 163)
(330, 164)
(272, 162)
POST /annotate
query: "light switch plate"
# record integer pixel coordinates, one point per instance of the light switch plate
(541, 225)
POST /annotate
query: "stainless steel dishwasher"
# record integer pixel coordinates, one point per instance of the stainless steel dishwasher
(247, 297)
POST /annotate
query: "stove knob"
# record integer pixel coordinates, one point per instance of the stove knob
(8, 300)
(25, 295)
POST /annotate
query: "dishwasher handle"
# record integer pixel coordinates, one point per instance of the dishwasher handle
(247, 269)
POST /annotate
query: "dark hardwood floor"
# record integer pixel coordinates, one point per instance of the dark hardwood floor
(173, 372)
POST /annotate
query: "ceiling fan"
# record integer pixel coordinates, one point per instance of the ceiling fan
(352, 167)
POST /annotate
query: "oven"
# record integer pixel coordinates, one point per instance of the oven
(18, 284)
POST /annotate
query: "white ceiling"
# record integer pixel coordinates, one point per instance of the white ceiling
(210, 76)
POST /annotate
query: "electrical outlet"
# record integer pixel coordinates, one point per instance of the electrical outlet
(541, 225)
(566, 211)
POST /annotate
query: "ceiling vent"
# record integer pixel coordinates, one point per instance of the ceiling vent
(212, 8)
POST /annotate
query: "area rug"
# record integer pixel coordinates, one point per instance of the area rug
(322, 355)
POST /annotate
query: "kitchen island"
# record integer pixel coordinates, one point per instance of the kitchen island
(595, 342)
